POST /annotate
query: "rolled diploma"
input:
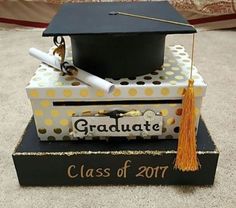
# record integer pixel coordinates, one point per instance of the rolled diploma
(82, 75)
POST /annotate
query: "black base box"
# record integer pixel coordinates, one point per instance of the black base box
(116, 162)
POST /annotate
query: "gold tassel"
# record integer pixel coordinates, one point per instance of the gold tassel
(186, 159)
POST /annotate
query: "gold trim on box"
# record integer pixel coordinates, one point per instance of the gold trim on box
(148, 152)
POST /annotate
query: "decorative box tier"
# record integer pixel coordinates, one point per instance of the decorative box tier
(135, 162)
(56, 99)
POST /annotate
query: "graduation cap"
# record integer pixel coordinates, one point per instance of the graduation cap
(117, 40)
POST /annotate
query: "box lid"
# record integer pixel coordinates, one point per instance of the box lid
(167, 82)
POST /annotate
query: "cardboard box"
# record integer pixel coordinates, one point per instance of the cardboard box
(134, 162)
(56, 98)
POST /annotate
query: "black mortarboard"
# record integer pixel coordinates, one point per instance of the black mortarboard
(110, 44)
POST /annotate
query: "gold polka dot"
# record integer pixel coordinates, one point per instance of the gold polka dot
(48, 122)
(169, 73)
(75, 83)
(198, 91)
(67, 93)
(179, 77)
(51, 138)
(170, 121)
(178, 111)
(116, 92)
(167, 65)
(59, 84)
(184, 73)
(70, 112)
(51, 93)
(34, 93)
(54, 113)
(64, 122)
(162, 77)
(100, 93)
(181, 91)
(45, 103)
(132, 92)
(164, 130)
(164, 112)
(57, 130)
(165, 91)
(174, 68)
(173, 82)
(42, 131)
(148, 91)
(84, 92)
(38, 113)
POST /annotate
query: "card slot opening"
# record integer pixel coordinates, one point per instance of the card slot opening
(118, 102)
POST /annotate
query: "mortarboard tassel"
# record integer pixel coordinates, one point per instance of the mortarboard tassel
(186, 159)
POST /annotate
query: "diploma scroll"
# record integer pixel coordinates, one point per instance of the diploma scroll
(80, 74)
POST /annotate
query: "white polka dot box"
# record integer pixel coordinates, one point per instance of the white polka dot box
(142, 107)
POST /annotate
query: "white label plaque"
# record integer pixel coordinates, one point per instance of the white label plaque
(146, 125)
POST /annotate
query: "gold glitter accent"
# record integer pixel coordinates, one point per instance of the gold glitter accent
(127, 152)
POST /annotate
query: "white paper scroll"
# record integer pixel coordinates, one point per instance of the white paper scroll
(84, 76)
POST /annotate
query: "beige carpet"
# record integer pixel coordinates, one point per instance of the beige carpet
(215, 59)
